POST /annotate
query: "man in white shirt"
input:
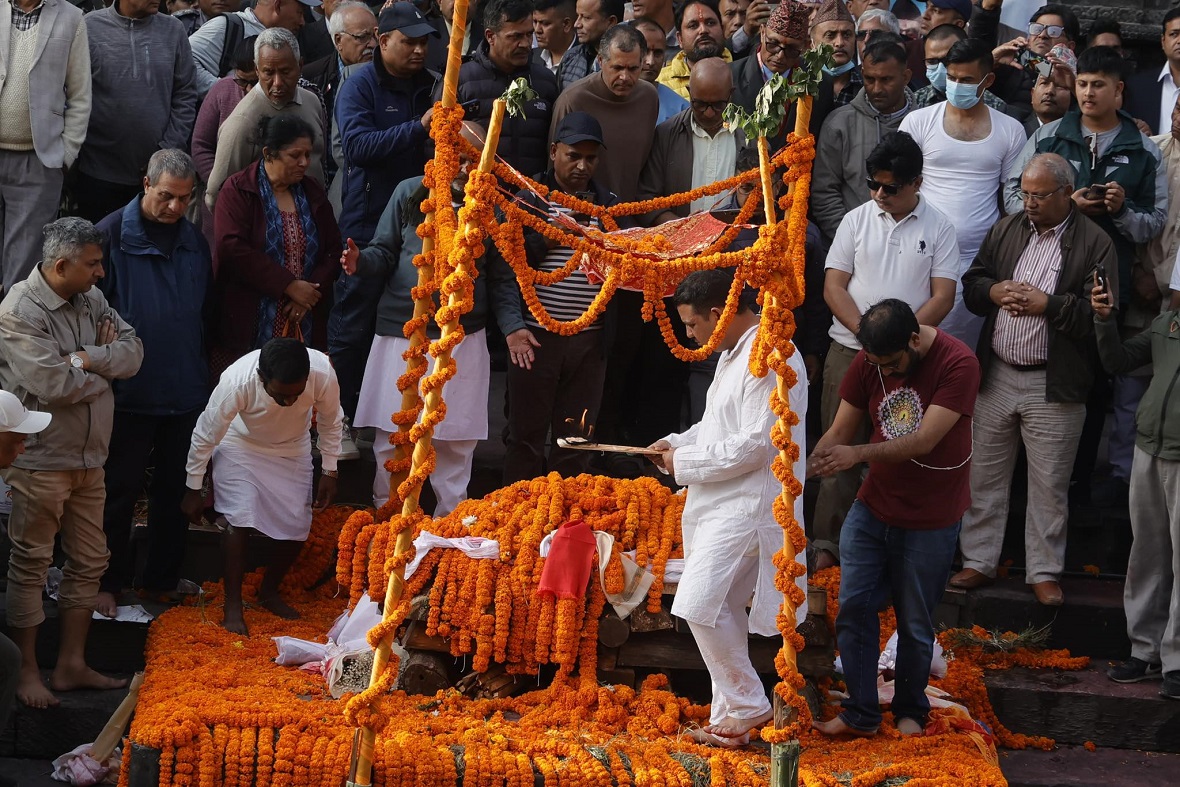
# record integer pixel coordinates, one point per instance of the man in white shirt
(968, 148)
(896, 245)
(1151, 94)
(256, 431)
(730, 533)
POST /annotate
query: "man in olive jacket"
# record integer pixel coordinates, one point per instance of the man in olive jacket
(1030, 281)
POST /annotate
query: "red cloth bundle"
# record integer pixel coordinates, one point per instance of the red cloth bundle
(571, 557)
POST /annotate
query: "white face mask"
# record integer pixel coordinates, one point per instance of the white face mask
(961, 95)
(937, 76)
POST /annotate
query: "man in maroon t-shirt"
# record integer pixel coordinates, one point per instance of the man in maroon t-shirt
(919, 385)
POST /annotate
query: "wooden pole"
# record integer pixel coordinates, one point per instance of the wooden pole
(363, 745)
(767, 177)
(784, 757)
(411, 398)
(395, 587)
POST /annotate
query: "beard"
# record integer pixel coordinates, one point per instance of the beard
(703, 51)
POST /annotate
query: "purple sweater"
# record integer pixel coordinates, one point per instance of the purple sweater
(219, 103)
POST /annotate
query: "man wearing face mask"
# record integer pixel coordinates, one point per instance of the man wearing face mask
(968, 147)
(276, 55)
(937, 44)
(851, 132)
(833, 25)
(387, 265)
(256, 432)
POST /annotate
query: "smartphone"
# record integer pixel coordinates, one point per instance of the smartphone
(470, 108)
(1102, 281)
(1097, 191)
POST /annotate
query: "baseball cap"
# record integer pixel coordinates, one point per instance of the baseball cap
(15, 418)
(962, 6)
(406, 19)
(578, 127)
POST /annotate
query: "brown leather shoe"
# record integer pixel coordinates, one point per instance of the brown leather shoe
(1048, 593)
(969, 579)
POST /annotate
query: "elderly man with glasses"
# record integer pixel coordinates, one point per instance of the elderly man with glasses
(1030, 282)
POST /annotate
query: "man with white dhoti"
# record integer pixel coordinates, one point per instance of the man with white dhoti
(389, 260)
(256, 430)
(730, 533)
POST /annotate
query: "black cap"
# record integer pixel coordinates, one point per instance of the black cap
(406, 19)
(578, 127)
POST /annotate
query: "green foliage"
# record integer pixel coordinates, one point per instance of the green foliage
(517, 95)
(773, 101)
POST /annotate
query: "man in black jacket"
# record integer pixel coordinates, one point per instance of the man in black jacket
(504, 56)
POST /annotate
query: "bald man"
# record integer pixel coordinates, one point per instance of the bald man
(389, 262)
(695, 147)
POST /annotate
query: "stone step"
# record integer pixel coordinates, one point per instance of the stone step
(1090, 623)
(110, 646)
(1074, 766)
(28, 773)
(50, 732)
(1076, 707)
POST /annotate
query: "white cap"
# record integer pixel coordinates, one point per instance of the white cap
(15, 418)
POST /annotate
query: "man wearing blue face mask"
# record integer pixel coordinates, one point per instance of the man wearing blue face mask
(937, 45)
(833, 25)
(968, 148)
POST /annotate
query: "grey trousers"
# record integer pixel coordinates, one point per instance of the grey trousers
(1151, 595)
(30, 196)
(1011, 409)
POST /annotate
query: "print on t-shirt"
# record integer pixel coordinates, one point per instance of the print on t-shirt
(899, 413)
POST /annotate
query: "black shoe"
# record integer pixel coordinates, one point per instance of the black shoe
(1111, 493)
(1170, 689)
(1134, 670)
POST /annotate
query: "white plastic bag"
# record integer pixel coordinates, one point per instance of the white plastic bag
(297, 652)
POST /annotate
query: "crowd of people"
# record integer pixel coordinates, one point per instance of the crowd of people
(990, 221)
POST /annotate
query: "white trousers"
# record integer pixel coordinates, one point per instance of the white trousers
(452, 471)
(1151, 596)
(725, 647)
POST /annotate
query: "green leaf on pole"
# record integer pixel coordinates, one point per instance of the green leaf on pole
(775, 97)
(518, 94)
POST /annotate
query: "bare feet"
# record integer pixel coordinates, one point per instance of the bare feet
(32, 692)
(908, 726)
(837, 726)
(701, 736)
(107, 604)
(234, 623)
(276, 605)
(738, 728)
(67, 678)
(824, 559)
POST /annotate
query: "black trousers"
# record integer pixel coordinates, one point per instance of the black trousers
(97, 199)
(138, 442)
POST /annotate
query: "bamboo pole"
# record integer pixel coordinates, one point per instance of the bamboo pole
(361, 772)
(784, 757)
(411, 398)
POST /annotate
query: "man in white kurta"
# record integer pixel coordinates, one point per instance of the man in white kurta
(256, 430)
(730, 533)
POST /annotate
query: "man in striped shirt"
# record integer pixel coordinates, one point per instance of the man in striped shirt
(1030, 282)
(552, 377)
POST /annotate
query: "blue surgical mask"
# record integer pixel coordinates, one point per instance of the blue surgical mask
(961, 95)
(937, 76)
(838, 70)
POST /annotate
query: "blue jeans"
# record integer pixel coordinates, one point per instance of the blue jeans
(878, 562)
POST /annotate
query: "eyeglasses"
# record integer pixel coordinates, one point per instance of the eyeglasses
(1029, 196)
(716, 106)
(1050, 31)
(772, 48)
(360, 38)
(887, 366)
(861, 35)
(935, 62)
(889, 189)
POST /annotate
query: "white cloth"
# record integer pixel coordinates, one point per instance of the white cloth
(963, 179)
(452, 471)
(242, 414)
(892, 259)
(1168, 91)
(466, 394)
(714, 158)
(474, 547)
(725, 462)
(270, 494)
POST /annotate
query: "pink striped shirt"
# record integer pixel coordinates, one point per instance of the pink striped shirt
(1023, 339)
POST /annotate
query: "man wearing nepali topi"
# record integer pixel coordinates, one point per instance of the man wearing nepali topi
(730, 533)
(256, 430)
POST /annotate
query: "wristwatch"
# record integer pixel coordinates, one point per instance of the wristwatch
(76, 360)
(330, 473)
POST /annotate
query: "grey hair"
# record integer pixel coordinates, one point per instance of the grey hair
(886, 17)
(1055, 165)
(65, 238)
(277, 38)
(170, 161)
(621, 38)
(336, 20)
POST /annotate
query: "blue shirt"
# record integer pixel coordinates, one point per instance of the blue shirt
(671, 103)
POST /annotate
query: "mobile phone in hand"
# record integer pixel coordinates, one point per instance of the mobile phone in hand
(1096, 191)
(1102, 280)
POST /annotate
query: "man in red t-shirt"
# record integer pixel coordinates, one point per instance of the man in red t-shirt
(919, 385)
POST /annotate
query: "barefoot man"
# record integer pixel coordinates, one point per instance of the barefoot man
(730, 533)
(61, 345)
(256, 429)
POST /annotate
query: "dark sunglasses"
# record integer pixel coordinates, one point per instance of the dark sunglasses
(716, 106)
(890, 189)
(1052, 31)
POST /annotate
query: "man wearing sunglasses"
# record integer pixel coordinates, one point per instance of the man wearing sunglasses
(1050, 26)
(898, 245)
(919, 386)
